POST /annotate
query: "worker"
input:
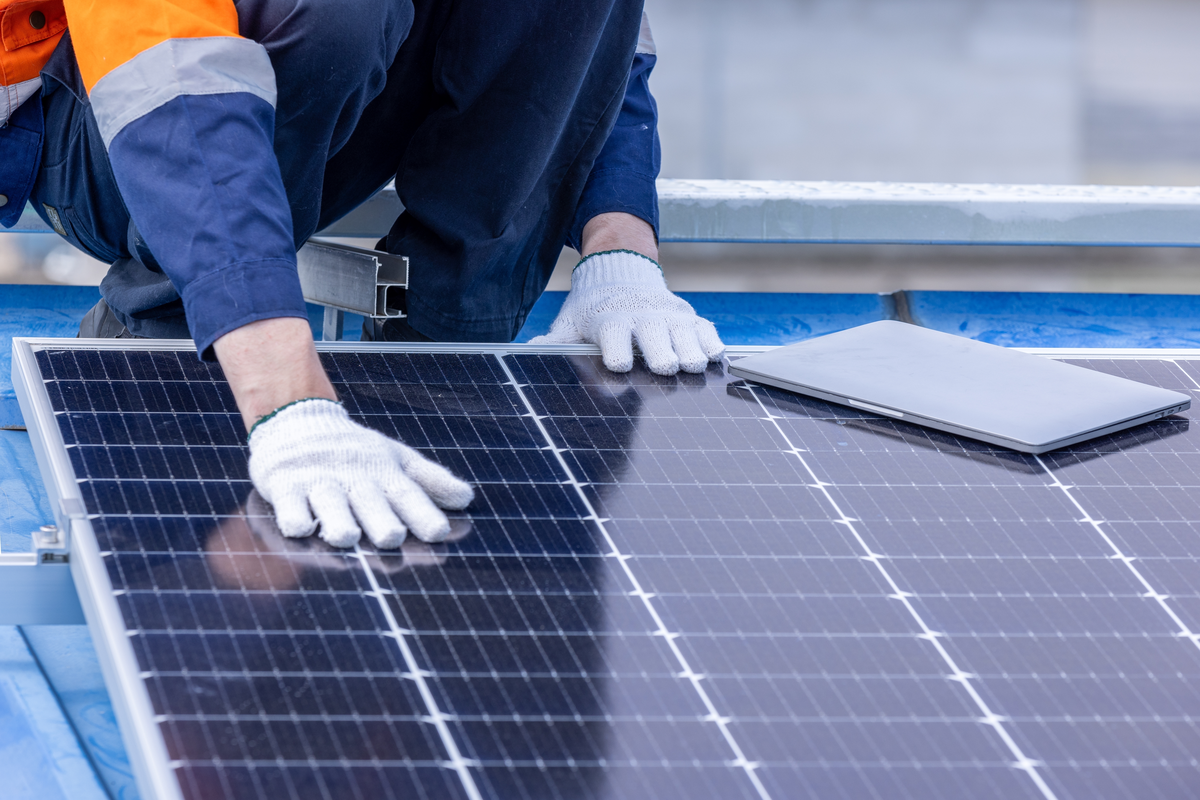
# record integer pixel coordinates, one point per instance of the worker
(196, 144)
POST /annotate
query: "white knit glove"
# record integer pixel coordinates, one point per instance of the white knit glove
(619, 297)
(314, 464)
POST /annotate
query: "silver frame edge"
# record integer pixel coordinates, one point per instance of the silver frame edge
(38, 343)
(135, 714)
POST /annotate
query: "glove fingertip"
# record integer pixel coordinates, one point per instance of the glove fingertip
(710, 340)
(431, 529)
(331, 506)
(659, 354)
(295, 529)
(562, 331)
(293, 519)
(456, 496)
(441, 485)
(449, 492)
(340, 537)
(391, 539)
(615, 339)
(553, 338)
(618, 363)
(654, 339)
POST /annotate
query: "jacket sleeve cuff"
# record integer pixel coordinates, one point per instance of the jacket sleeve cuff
(227, 299)
(611, 190)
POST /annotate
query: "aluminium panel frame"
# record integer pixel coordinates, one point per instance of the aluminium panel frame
(152, 767)
(131, 701)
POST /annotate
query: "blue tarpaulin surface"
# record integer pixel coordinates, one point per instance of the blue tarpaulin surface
(58, 735)
(1027, 319)
(40, 754)
(36, 311)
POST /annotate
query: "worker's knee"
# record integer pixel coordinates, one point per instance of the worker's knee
(350, 42)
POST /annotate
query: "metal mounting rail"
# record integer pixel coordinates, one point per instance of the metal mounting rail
(882, 213)
(343, 278)
(34, 591)
(894, 213)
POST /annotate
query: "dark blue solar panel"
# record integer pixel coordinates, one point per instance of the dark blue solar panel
(669, 587)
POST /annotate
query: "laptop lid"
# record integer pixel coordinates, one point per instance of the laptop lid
(1000, 396)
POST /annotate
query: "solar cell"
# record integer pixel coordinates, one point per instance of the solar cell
(669, 587)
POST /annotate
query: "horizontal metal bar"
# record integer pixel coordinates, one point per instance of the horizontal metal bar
(39, 343)
(351, 278)
(895, 213)
(883, 213)
(917, 213)
(32, 593)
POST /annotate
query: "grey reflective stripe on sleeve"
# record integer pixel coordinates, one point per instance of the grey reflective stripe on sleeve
(11, 97)
(646, 38)
(177, 67)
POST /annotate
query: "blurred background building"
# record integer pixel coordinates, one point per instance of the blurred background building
(1000, 91)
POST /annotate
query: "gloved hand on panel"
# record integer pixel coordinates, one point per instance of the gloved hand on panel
(619, 297)
(315, 465)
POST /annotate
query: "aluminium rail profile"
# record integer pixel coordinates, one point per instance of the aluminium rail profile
(343, 278)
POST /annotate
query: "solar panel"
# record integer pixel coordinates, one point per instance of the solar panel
(669, 587)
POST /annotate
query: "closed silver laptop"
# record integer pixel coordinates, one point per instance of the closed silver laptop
(981, 391)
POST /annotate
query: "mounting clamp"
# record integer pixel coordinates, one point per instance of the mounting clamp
(36, 587)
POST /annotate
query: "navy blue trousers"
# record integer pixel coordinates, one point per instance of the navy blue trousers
(488, 115)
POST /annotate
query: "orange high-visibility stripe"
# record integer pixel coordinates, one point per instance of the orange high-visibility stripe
(109, 33)
(26, 49)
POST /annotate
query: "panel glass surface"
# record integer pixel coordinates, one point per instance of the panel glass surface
(666, 587)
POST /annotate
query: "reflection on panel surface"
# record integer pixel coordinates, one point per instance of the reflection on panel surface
(666, 587)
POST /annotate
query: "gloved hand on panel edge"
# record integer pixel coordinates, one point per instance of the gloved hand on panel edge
(619, 297)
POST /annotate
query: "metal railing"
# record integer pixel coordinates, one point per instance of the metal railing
(881, 213)
(893, 213)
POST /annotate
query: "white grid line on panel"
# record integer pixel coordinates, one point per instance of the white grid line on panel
(988, 717)
(1185, 373)
(1119, 555)
(686, 671)
(459, 764)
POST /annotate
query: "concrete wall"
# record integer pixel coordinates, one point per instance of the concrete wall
(908, 90)
(1141, 91)
(1038, 91)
